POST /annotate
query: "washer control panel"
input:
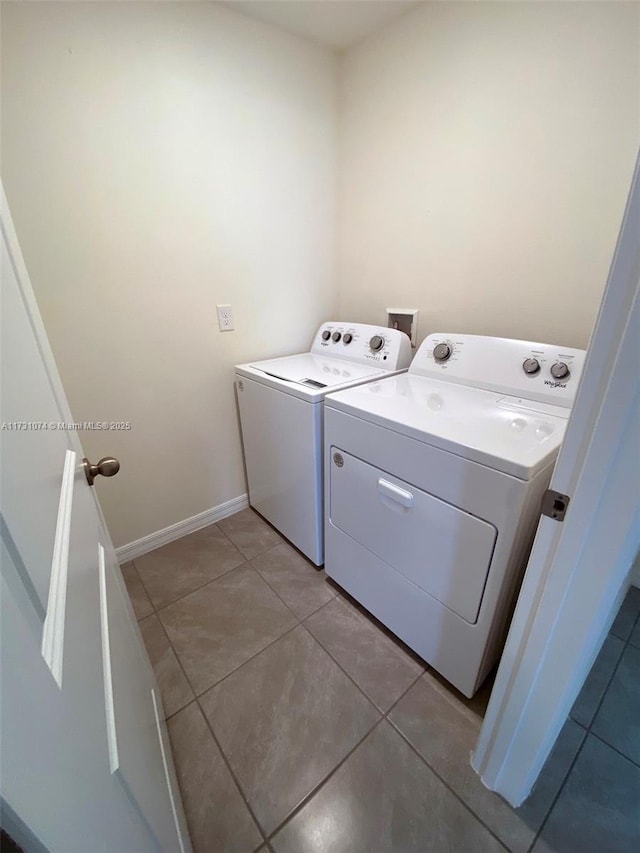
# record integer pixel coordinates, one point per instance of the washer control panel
(533, 371)
(389, 349)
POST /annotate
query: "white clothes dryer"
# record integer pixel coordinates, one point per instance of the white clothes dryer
(434, 482)
(281, 405)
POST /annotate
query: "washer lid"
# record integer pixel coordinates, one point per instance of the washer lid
(309, 375)
(483, 426)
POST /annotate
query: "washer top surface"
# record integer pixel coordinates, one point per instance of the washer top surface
(514, 426)
(342, 355)
(309, 375)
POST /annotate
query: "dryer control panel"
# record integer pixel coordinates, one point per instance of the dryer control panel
(524, 369)
(378, 346)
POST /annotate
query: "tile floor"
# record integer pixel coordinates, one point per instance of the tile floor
(299, 725)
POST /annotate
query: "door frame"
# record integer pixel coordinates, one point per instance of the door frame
(579, 570)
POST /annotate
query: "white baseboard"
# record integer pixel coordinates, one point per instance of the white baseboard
(180, 528)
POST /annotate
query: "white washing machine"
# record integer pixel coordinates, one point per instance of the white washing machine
(434, 482)
(281, 403)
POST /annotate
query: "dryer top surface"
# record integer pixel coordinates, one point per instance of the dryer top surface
(514, 435)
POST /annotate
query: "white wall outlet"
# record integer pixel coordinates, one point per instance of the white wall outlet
(225, 318)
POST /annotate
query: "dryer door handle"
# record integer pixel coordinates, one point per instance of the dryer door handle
(389, 490)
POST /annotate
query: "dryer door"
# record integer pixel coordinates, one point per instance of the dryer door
(439, 547)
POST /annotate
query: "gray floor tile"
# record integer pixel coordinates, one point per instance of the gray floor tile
(250, 533)
(618, 719)
(553, 774)
(586, 705)
(445, 732)
(221, 625)
(298, 582)
(178, 568)
(217, 816)
(139, 599)
(384, 799)
(173, 685)
(625, 620)
(634, 639)
(285, 720)
(598, 808)
(477, 704)
(377, 663)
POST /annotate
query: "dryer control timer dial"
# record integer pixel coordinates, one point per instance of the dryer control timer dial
(531, 366)
(442, 352)
(376, 343)
(560, 370)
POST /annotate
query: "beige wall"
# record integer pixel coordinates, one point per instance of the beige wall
(486, 150)
(159, 159)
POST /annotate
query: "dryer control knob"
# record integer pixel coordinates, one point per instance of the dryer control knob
(326, 335)
(376, 343)
(336, 337)
(346, 339)
(560, 370)
(442, 352)
(531, 366)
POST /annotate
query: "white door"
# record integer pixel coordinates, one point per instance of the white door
(85, 759)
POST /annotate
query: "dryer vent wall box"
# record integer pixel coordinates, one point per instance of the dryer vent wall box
(405, 320)
(281, 410)
(431, 512)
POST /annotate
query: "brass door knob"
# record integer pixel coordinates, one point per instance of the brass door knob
(107, 467)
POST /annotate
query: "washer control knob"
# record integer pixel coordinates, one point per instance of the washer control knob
(335, 337)
(442, 352)
(560, 370)
(376, 343)
(347, 338)
(326, 335)
(531, 366)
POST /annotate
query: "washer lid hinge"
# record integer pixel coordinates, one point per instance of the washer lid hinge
(554, 504)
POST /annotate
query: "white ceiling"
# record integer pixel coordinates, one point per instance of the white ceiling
(335, 24)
